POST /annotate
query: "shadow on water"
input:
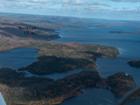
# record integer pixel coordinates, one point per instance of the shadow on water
(93, 97)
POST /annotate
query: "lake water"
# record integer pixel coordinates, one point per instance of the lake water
(17, 58)
(134, 102)
(120, 34)
(93, 97)
(54, 76)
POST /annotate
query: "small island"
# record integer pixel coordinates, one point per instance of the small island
(134, 63)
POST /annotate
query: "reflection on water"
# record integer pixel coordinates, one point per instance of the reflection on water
(93, 97)
(57, 76)
(54, 76)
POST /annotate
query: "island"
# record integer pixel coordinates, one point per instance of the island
(134, 63)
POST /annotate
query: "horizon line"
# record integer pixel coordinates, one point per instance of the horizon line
(67, 16)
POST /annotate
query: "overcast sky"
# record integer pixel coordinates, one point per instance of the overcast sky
(110, 9)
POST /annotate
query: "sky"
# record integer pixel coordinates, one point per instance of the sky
(108, 9)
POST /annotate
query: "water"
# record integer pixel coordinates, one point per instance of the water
(54, 76)
(17, 58)
(120, 34)
(110, 66)
(134, 102)
(93, 97)
(101, 33)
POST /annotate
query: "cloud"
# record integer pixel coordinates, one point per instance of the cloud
(72, 7)
(53, 2)
(126, 1)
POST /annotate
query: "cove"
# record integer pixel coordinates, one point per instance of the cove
(17, 58)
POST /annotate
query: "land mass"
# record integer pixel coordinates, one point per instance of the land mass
(17, 89)
(15, 28)
(134, 63)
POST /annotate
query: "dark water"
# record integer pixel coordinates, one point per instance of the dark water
(17, 58)
(120, 34)
(93, 97)
(54, 76)
(134, 102)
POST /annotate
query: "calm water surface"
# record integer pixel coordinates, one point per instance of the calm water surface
(17, 58)
(93, 97)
